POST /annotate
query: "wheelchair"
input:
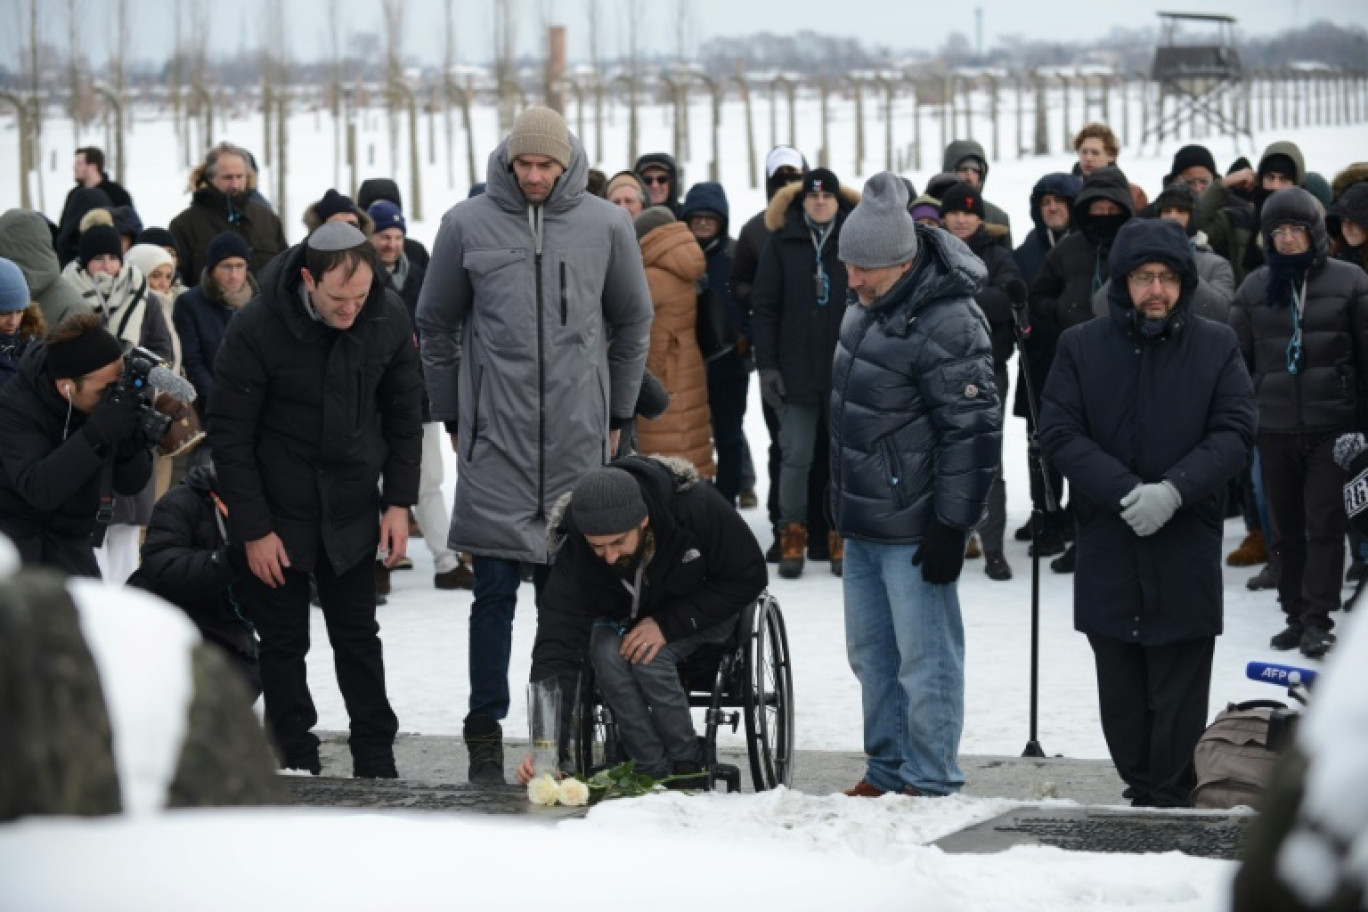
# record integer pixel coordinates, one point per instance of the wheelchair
(748, 679)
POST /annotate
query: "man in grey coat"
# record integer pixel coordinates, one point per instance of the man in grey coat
(536, 311)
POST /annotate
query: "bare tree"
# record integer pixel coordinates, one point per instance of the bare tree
(334, 41)
(505, 40)
(594, 16)
(75, 16)
(686, 30)
(393, 11)
(448, 63)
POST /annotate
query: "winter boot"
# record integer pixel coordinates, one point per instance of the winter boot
(1066, 562)
(374, 769)
(836, 545)
(973, 551)
(748, 500)
(1252, 551)
(484, 741)
(792, 544)
(996, 567)
(1290, 638)
(1050, 538)
(1316, 641)
(772, 553)
(1024, 533)
(1267, 578)
(458, 577)
(382, 579)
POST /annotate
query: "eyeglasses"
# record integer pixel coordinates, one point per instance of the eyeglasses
(1169, 280)
(1289, 231)
(649, 179)
(968, 169)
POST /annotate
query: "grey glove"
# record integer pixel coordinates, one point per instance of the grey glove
(1149, 506)
(772, 387)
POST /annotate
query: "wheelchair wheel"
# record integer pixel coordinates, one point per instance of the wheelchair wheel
(767, 694)
(595, 738)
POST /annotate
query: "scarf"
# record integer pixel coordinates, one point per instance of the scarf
(399, 274)
(1285, 272)
(120, 300)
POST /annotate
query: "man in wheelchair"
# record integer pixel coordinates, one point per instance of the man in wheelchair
(650, 563)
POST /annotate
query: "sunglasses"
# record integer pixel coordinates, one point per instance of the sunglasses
(649, 179)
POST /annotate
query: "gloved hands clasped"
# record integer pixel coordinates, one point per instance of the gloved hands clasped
(1149, 506)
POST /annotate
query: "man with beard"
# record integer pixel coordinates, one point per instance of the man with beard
(535, 319)
(1061, 297)
(1302, 321)
(1149, 412)
(651, 564)
(221, 202)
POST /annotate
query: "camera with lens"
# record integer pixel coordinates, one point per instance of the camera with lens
(135, 383)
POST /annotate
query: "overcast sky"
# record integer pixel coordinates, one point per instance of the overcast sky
(898, 24)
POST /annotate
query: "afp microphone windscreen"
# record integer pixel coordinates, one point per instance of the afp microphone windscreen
(171, 383)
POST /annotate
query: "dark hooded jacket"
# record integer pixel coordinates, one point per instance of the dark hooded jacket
(201, 317)
(1122, 409)
(708, 196)
(81, 201)
(1232, 223)
(50, 471)
(26, 239)
(750, 244)
(306, 419)
(663, 160)
(378, 188)
(1030, 256)
(211, 213)
(703, 568)
(1328, 391)
(1062, 293)
(916, 420)
(992, 297)
(794, 333)
(185, 561)
(957, 152)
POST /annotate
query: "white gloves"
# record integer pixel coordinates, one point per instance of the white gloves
(1149, 506)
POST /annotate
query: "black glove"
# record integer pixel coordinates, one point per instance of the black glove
(772, 387)
(941, 553)
(114, 420)
(235, 557)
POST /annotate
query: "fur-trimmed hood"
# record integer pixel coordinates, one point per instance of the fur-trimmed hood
(659, 476)
(313, 222)
(788, 196)
(1354, 174)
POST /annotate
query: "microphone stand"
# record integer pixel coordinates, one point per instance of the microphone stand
(1022, 329)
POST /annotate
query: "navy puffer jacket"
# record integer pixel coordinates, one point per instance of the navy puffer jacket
(916, 420)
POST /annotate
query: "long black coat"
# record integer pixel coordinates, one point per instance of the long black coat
(1121, 410)
(50, 471)
(1328, 393)
(413, 286)
(210, 214)
(916, 420)
(185, 561)
(793, 333)
(707, 566)
(201, 319)
(305, 419)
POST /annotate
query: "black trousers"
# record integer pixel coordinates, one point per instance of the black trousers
(1154, 709)
(819, 476)
(1305, 491)
(281, 617)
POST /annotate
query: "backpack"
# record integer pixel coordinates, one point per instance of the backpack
(1235, 756)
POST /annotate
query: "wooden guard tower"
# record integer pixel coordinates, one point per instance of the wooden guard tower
(1198, 77)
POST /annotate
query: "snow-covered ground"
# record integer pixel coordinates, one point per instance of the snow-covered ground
(806, 851)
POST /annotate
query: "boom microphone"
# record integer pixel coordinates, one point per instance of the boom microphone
(1282, 675)
(1017, 294)
(173, 384)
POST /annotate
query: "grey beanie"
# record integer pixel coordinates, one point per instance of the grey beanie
(607, 501)
(879, 232)
(540, 131)
(651, 219)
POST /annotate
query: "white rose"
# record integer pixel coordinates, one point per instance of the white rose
(572, 793)
(542, 790)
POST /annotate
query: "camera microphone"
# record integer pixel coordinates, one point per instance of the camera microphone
(1017, 293)
(173, 384)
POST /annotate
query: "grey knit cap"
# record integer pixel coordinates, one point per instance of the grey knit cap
(879, 232)
(651, 219)
(540, 131)
(607, 501)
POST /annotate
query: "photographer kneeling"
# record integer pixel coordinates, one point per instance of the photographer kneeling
(652, 563)
(71, 433)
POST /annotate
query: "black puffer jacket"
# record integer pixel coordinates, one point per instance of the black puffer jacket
(1121, 410)
(992, 297)
(916, 421)
(185, 561)
(1061, 295)
(50, 471)
(1328, 392)
(305, 420)
(706, 566)
(793, 332)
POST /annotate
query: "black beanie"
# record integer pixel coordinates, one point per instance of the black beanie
(1239, 164)
(227, 244)
(82, 355)
(821, 179)
(334, 203)
(607, 501)
(960, 197)
(99, 239)
(1192, 157)
(159, 237)
(1176, 195)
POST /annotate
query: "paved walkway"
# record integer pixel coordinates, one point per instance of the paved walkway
(442, 759)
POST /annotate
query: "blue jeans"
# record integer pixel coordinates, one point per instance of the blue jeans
(491, 631)
(905, 642)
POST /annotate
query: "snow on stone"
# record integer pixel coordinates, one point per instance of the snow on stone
(141, 648)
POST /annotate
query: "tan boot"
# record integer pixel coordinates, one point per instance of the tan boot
(792, 548)
(1252, 551)
(836, 545)
(973, 551)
